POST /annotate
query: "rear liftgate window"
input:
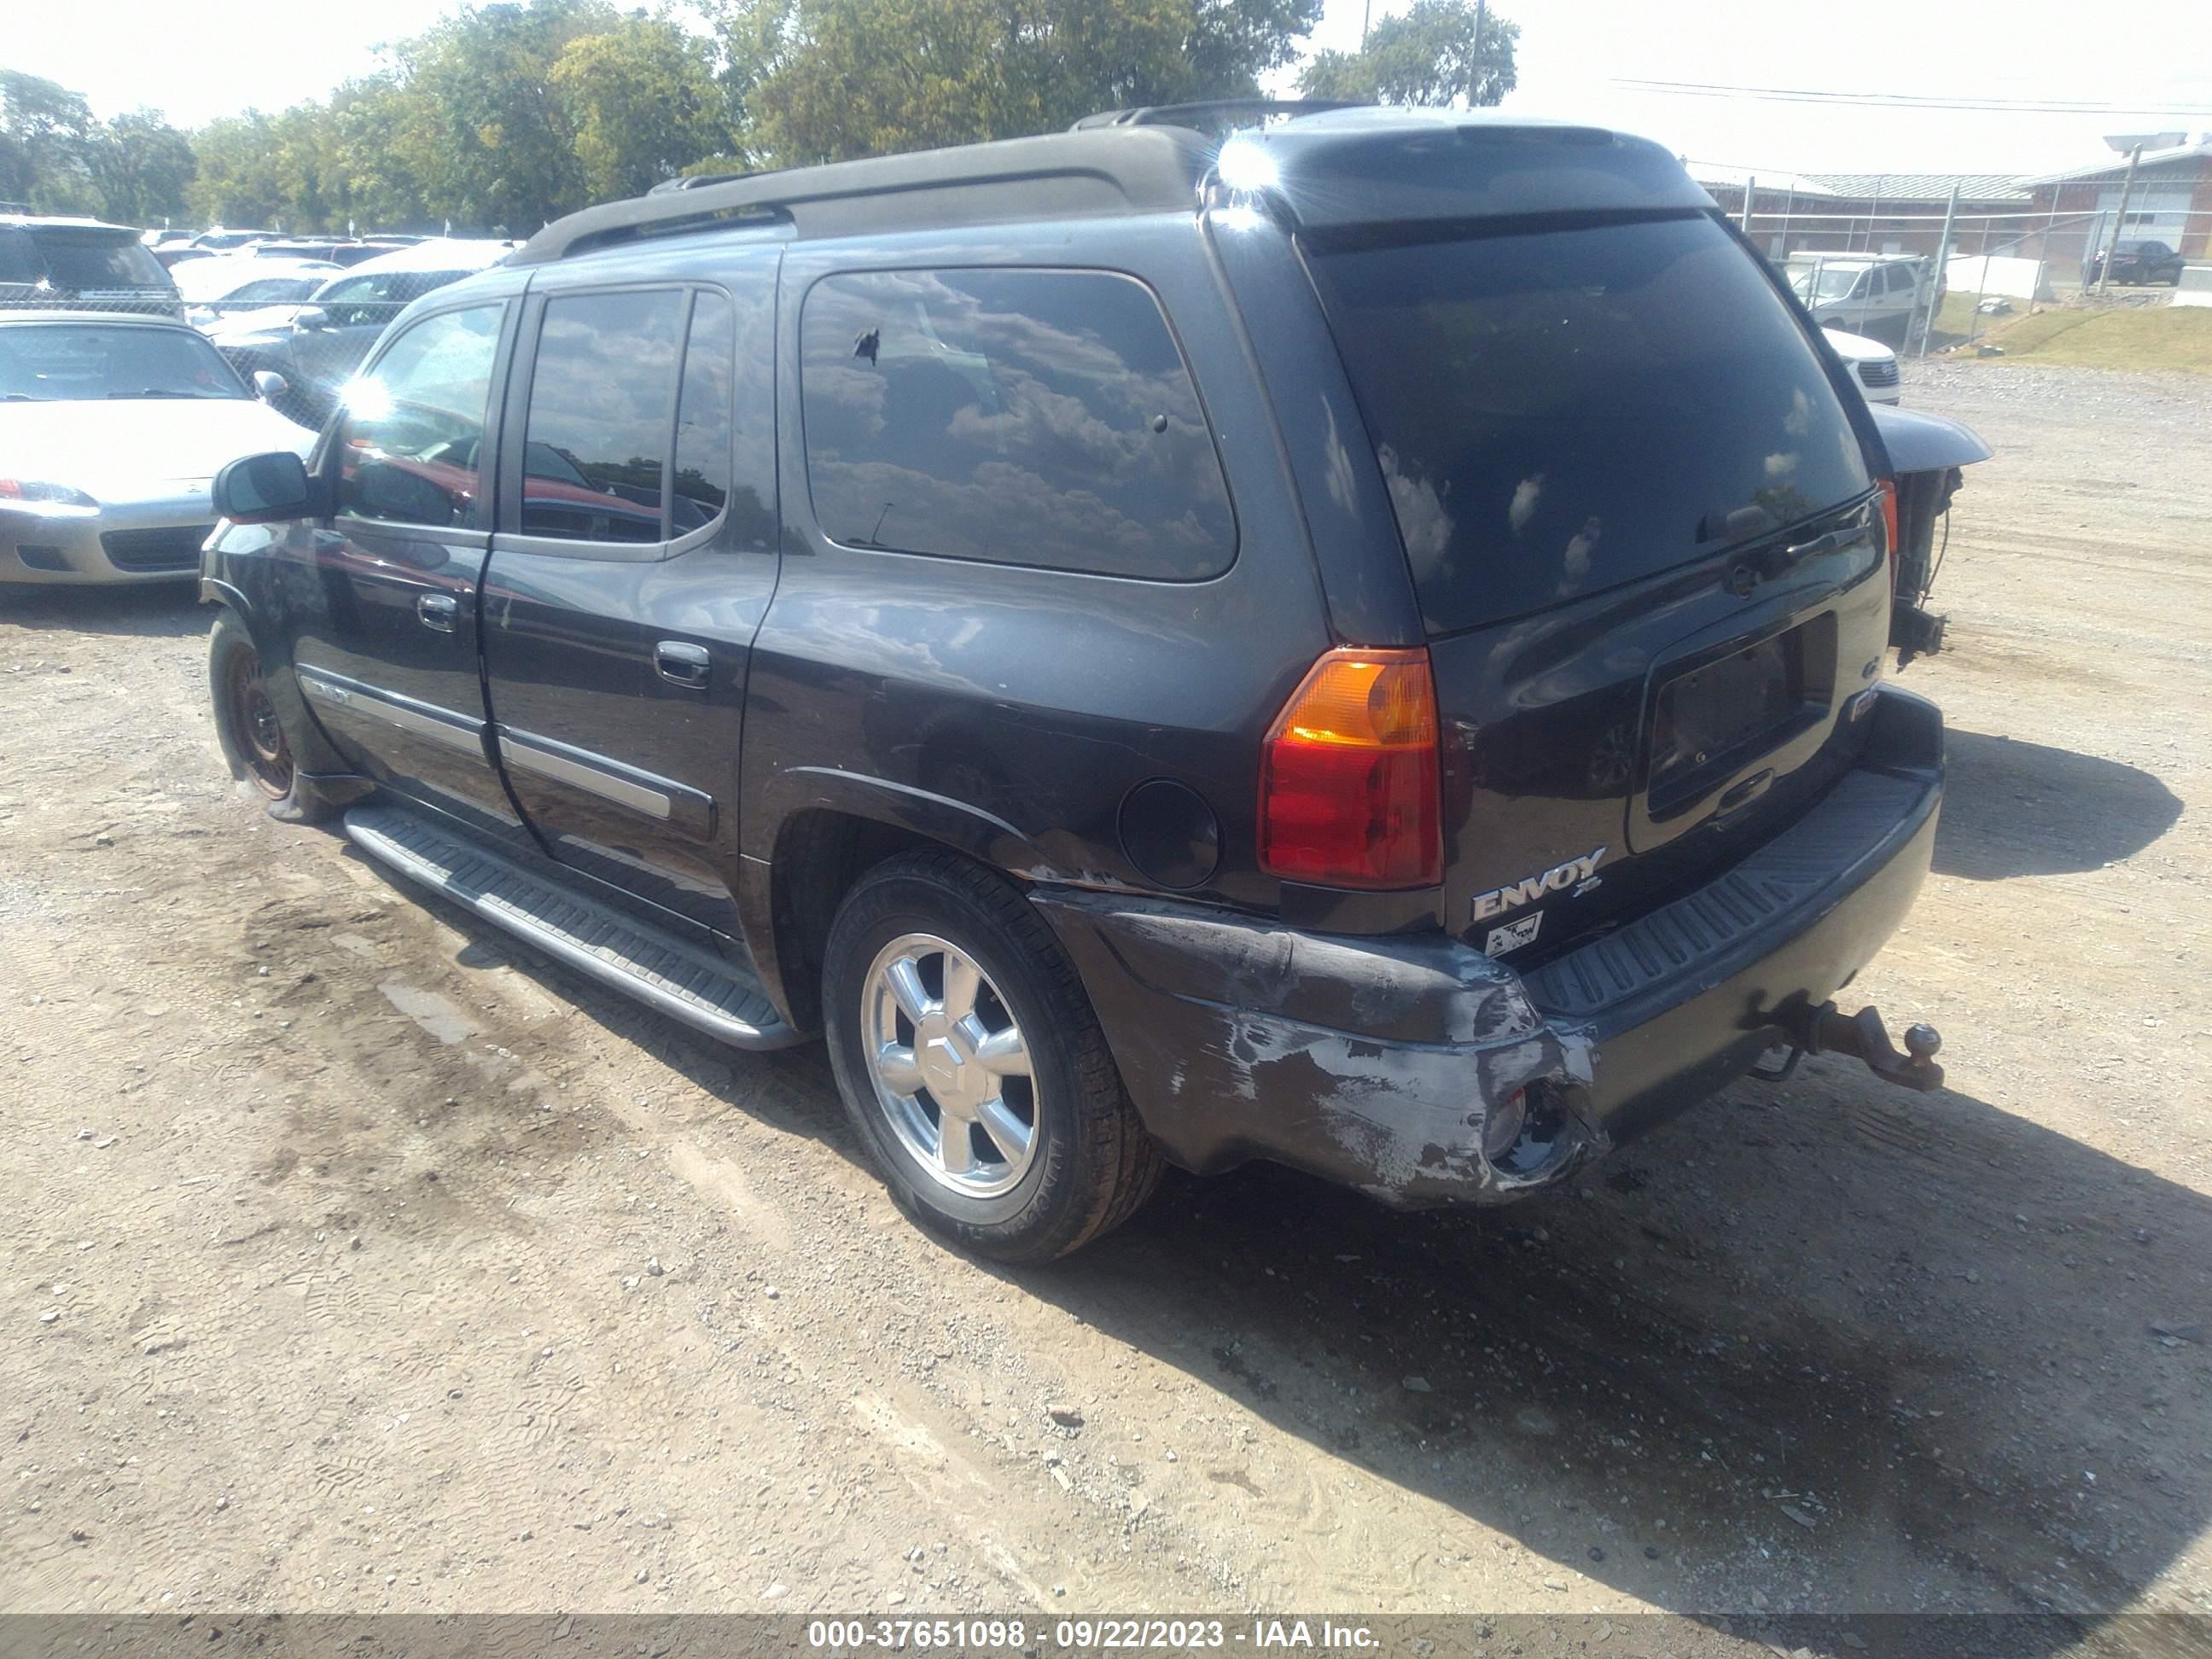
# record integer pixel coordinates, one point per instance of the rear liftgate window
(1027, 417)
(1561, 411)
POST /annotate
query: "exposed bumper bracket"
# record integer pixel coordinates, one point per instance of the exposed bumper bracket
(1915, 632)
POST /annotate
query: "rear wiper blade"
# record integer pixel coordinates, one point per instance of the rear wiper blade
(1834, 542)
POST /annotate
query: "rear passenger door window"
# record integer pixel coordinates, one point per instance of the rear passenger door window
(601, 422)
(1030, 418)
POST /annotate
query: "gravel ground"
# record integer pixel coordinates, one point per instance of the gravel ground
(352, 1259)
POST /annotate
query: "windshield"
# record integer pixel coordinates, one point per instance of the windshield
(1826, 282)
(69, 362)
(1556, 412)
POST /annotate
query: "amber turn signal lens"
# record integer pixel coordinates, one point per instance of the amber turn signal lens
(1350, 785)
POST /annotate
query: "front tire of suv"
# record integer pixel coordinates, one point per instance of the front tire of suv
(970, 1061)
(255, 743)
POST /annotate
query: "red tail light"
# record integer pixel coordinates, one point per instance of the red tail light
(1349, 784)
(1889, 524)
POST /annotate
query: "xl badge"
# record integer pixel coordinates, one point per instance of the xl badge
(1498, 900)
(1513, 935)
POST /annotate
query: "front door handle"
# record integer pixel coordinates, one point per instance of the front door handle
(436, 611)
(681, 663)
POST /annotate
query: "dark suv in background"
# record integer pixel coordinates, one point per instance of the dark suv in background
(1360, 646)
(81, 264)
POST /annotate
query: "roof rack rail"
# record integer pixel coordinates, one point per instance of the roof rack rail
(1184, 115)
(701, 181)
(1064, 175)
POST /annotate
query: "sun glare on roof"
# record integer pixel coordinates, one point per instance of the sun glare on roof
(1243, 165)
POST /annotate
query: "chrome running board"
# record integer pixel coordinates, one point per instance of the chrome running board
(680, 980)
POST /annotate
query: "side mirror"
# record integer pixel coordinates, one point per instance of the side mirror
(307, 319)
(265, 489)
(269, 385)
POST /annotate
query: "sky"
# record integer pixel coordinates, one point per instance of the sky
(216, 57)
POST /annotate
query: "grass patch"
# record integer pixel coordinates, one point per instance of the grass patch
(2137, 338)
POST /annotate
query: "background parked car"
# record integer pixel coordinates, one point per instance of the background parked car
(2140, 262)
(220, 240)
(82, 264)
(1871, 364)
(112, 427)
(316, 347)
(342, 251)
(1868, 295)
(215, 288)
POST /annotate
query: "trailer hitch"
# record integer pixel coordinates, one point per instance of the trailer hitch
(1827, 1030)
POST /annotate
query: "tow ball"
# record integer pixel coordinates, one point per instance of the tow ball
(1827, 1030)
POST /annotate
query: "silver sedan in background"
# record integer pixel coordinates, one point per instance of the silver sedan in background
(111, 428)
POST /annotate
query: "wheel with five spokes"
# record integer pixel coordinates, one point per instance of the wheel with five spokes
(969, 1059)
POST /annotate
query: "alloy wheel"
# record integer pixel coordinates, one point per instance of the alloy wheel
(949, 1066)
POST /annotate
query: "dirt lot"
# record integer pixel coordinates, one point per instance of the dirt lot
(349, 1260)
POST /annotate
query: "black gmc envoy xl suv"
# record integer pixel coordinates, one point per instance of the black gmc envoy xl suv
(1359, 644)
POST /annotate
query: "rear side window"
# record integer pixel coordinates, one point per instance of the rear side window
(1026, 417)
(595, 455)
(374, 298)
(1561, 411)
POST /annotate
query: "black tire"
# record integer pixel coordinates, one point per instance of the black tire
(256, 745)
(1093, 1164)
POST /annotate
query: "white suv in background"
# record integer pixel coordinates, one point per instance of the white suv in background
(1866, 293)
(1871, 364)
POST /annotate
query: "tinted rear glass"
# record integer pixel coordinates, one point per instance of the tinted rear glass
(78, 260)
(1563, 411)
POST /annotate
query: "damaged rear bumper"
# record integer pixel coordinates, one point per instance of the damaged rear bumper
(1389, 1064)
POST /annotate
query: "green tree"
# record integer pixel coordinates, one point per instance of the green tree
(864, 77)
(749, 40)
(1233, 43)
(1438, 51)
(643, 103)
(142, 164)
(485, 134)
(366, 179)
(46, 139)
(239, 178)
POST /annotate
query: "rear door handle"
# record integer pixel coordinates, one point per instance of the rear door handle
(1738, 795)
(680, 663)
(436, 611)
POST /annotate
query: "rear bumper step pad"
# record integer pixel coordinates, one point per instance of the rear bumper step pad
(705, 992)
